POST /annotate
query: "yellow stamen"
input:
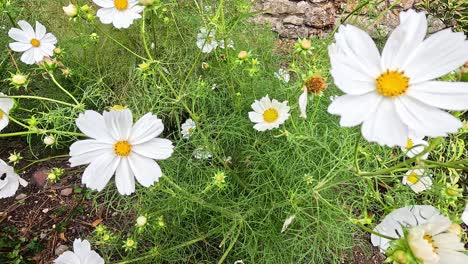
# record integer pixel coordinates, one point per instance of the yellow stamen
(392, 83)
(1, 114)
(117, 107)
(121, 4)
(413, 178)
(270, 115)
(35, 42)
(409, 143)
(122, 148)
(430, 240)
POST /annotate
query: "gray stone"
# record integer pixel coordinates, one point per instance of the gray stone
(295, 20)
(276, 7)
(60, 249)
(321, 17)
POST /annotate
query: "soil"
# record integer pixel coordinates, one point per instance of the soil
(44, 217)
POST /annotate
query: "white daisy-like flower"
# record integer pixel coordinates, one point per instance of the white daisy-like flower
(206, 40)
(120, 13)
(433, 243)
(188, 127)
(81, 254)
(393, 223)
(202, 153)
(464, 216)
(395, 92)
(6, 104)
(230, 44)
(417, 180)
(282, 75)
(9, 180)
(121, 147)
(415, 145)
(35, 44)
(303, 100)
(268, 114)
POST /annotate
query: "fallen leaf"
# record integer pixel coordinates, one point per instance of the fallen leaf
(96, 222)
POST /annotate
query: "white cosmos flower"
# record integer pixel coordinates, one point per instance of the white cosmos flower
(35, 44)
(188, 127)
(268, 114)
(464, 216)
(206, 40)
(282, 75)
(81, 254)
(415, 145)
(395, 92)
(230, 44)
(202, 153)
(5, 106)
(433, 243)
(121, 147)
(303, 100)
(120, 13)
(417, 180)
(9, 180)
(393, 223)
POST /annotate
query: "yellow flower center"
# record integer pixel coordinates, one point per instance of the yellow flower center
(35, 42)
(392, 83)
(270, 115)
(430, 240)
(413, 178)
(121, 4)
(122, 148)
(117, 107)
(1, 114)
(409, 143)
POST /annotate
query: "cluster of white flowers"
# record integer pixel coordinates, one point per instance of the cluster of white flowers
(206, 41)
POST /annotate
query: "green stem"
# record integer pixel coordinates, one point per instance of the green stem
(63, 89)
(17, 122)
(356, 150)
(120, 44)
(317, 104)
(447, 165)
(365, 228)
(143, 35)
(231, 245)
(42, 160)
(38, 98)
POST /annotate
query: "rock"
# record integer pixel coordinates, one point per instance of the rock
(435, 24)
(66, 191)
(295, 20)
(276, 7)
(60, 249)
(40, 176)
(293, 32)
(21, 196)
(321, 17)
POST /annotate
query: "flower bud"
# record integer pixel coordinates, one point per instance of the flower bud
(306, 44)
(143, 66)
(85, 8)
(14, 157)
(49, 140)
(57, 51)
(400, 257)
(141, 221)
(52, 177)
(70, 10)
(205, 65)
(243, 55)
(19, 79)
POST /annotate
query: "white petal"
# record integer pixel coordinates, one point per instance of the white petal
(385, 126)
(407, 216)
(6, 103)
(28, 57)
(4, 122)
(358, 48)
(20, 46)
(146, 128)
(9, 189)
(92, 124)
(49, 38)
(27, 28)
(81, 247)
(106, 15)
(255, 117)
(425, 119)
(146, 170)
(19, 35)
(452, 257)
(445, 95)
(438, 55)
(404, 39)
(104, 3)
(40, 31)
(124, 178)
(99, 172)
(67, 257)
(86, 151)
(38, 55)
(119, 123)
(464, 216)
(156, 148)
(354, 109)
(303, 99)
(287, 223)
